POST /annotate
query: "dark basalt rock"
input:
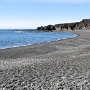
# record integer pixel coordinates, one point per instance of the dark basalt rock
(84, 24)
(47, 28)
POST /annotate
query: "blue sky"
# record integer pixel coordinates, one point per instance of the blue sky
(33, 13)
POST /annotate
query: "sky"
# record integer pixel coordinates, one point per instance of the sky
(22, 14)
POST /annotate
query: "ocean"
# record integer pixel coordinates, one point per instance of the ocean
(15, 38)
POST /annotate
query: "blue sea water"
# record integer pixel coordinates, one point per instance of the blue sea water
(12, 38)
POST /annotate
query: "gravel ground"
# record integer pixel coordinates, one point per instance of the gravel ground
(61, 65)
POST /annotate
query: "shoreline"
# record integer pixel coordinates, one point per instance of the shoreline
(75, 35)
(4, 55)
(53, 65)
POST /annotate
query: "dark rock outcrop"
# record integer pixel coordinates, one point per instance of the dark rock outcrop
(47, 28)
(84, 24)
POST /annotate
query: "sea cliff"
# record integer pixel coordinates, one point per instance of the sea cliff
(84, 24)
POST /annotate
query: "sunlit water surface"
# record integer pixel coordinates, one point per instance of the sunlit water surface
(12, 38)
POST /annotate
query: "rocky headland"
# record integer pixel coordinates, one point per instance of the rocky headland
(84, 24)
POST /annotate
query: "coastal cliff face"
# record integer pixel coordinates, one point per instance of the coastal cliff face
(84, 24)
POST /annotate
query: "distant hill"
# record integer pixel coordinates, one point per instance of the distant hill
(84, 24)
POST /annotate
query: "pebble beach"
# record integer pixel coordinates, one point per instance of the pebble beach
(59, 65)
